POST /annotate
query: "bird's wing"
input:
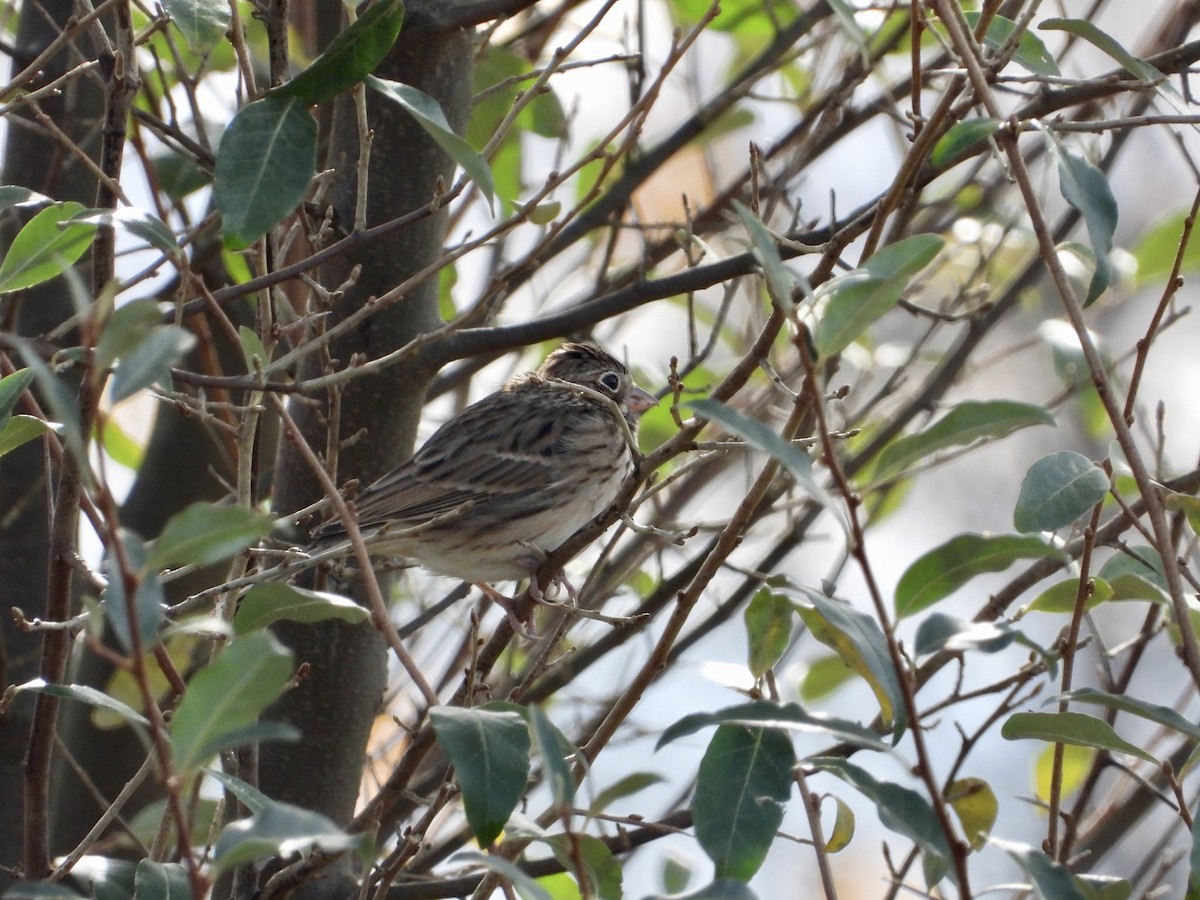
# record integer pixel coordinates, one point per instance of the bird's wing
(493, 449)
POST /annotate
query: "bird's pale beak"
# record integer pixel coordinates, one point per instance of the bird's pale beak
(639, 401)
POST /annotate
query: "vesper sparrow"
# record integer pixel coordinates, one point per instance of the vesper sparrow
(511, 477)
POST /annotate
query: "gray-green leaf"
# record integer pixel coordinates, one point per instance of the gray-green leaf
(743, 781)
(1057, 490)
(429, 116)
(202, 22)
(490, 752)
(1073, 728)
(264, 165)
(226, 696)
(859, 297)
(963, 425)
(350, 57)
(943, 570)
(207, 533)
(275, 601)
(1087, 189)
(48, 245)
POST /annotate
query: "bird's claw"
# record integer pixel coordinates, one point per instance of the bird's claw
(508, 604)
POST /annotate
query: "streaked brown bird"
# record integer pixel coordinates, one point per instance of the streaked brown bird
(511, 477)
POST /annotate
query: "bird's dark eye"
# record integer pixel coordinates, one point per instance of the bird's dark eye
(610, 381)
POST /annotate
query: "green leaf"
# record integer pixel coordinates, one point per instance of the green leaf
(104, 877)
(1086, 188)
(1057, 490)
(429, 116)
(1186, 504)
(20, 430)
(151, 360)
(774, 715)
(623, 787)
(202, 22)
(1031, 54)
(1051, 880)
(751, 21)
(858, 640)
(161, 881)
(943, 570)
(350, 57)
(118, 444)
(15, 195)
(843, 826)
(83, 693)
(129, 326)
(274, 601)
(1070, 728)
(1160, 715)
(1139, 563)
(206, 533)
(855, 300)
(743, 781)
(675, 873)
(490, 752)
(252, 350)
(554, 749)
(961, 137)
(179, 175)
(264, 164)
(1136, 66)
(822, 676)
(59, 401)
(600, 866)
(1060, 597)
(140, 223)
(149, 600)
(964, 424)
(249, 796)
(939, 631)
(768, 618)
(226, 696)
(280, 829)
(1157, 247)
(1076, 764)
(901, 809)
(1103, 887)
(11, 389)
(47, 246)
(758, 435)
(543, 213)
(975, 804)
(781, 283)
(497, 81)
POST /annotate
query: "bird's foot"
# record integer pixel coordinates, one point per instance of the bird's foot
(554, 589)
(521, 625)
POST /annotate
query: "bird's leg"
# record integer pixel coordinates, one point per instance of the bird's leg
(533, 562)
(558, 583)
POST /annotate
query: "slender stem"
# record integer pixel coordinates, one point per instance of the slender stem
(858, 549)
(1082, 594)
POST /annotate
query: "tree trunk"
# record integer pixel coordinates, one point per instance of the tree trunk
(335, 706)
